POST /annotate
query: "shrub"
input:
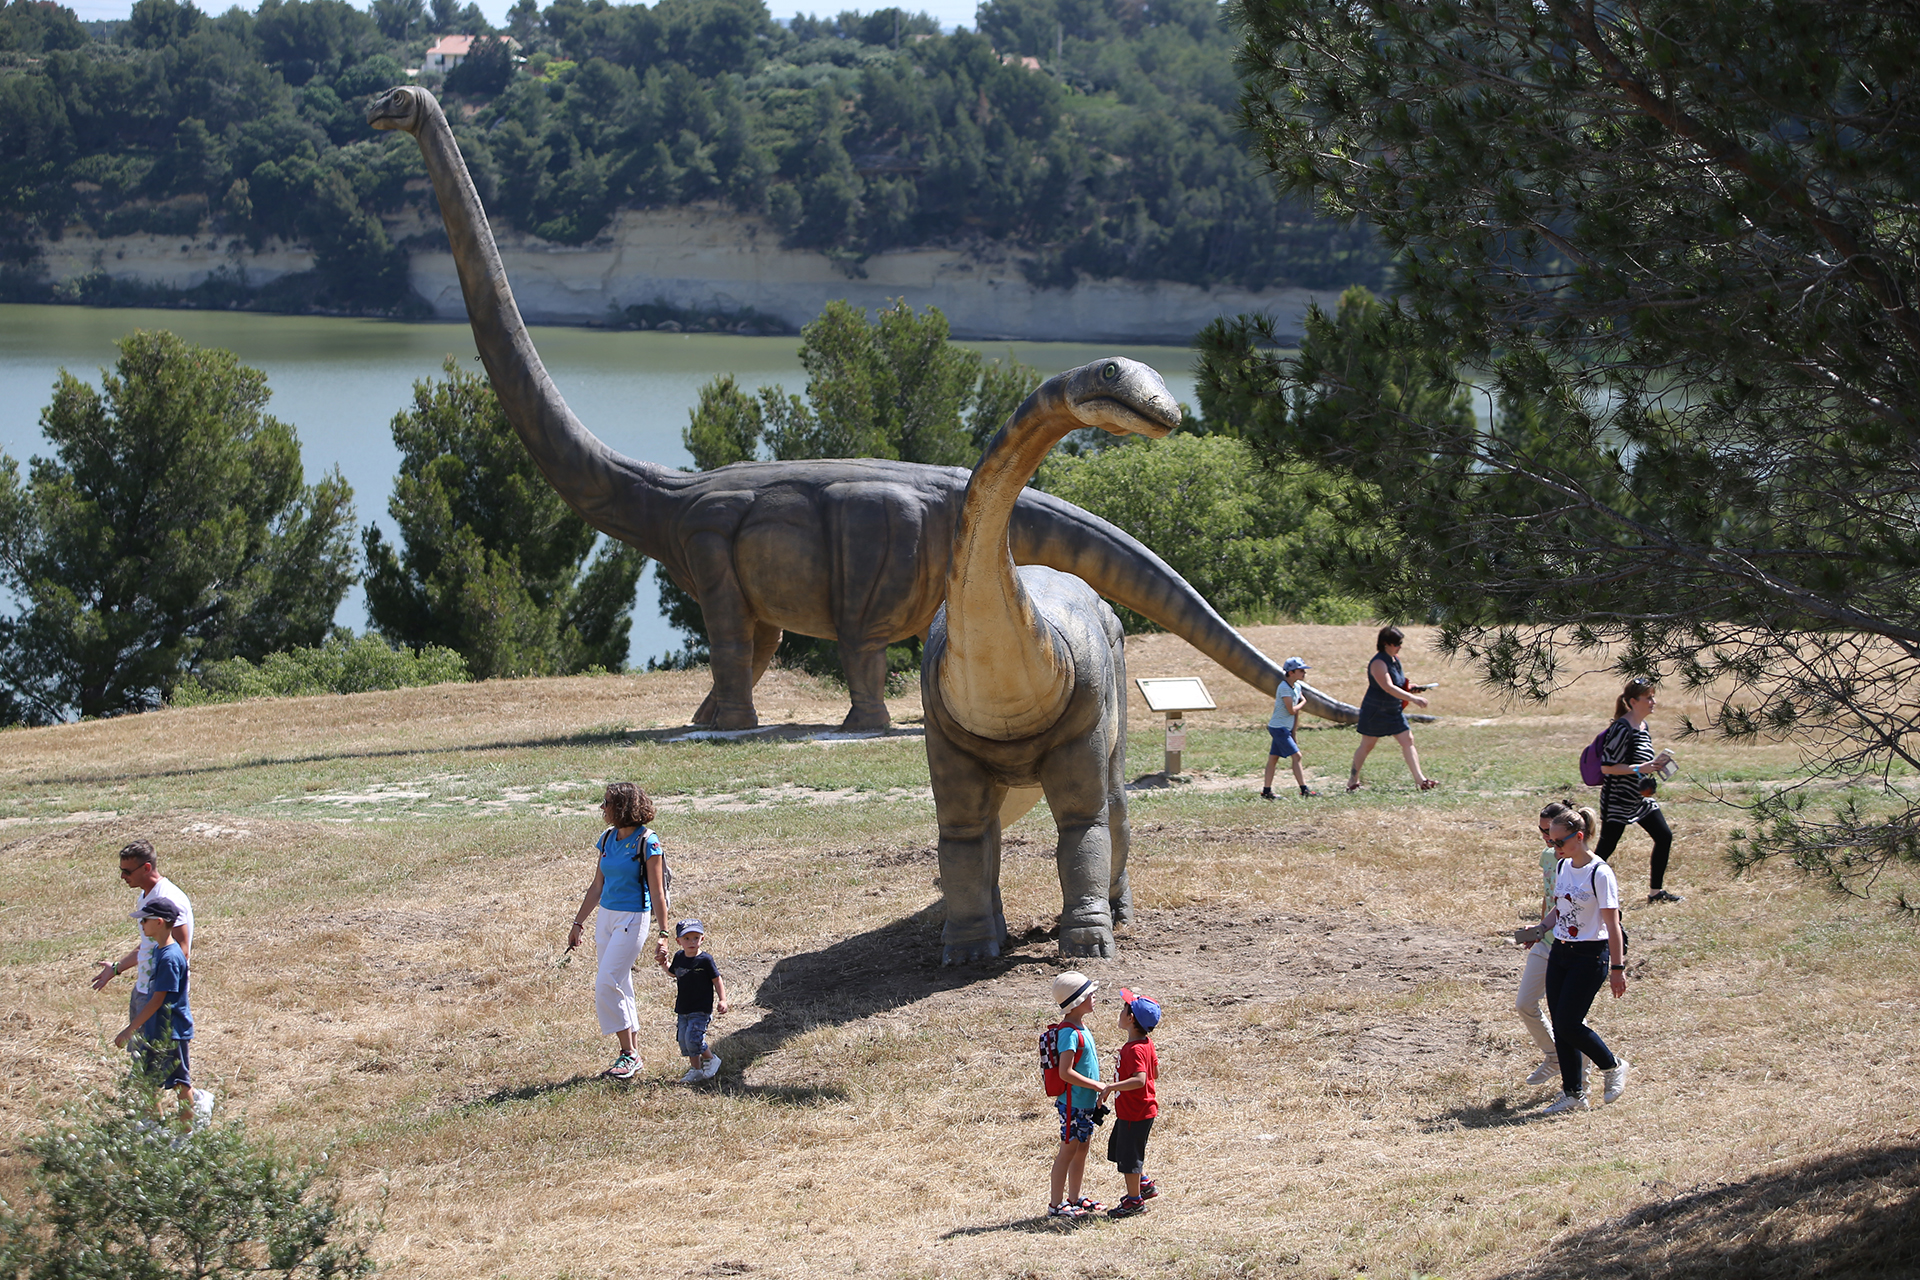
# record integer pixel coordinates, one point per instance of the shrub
(341, 665)
(113, 1193)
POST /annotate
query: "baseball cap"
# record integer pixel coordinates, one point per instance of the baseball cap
(1145, 1013)
(1294, 664)
(686, 927)
(160, 909)
(1071, 988)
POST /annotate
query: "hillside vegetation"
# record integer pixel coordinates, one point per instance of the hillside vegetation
(1098, 139)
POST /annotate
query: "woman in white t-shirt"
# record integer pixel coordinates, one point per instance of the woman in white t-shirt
(1539, 945)
(1588, 952)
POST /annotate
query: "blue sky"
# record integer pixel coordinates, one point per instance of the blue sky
(951, 13)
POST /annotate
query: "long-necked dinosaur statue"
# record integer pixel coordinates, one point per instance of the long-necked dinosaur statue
(854, 550)
(1024, 682)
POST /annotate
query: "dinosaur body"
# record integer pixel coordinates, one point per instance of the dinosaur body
(852, 550)
(1024, 684)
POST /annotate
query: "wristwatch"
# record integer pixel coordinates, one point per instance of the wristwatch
(1618, 968)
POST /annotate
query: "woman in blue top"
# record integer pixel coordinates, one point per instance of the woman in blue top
(627, 891)
(1383, 710)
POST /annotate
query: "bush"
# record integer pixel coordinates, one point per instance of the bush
(113, 1193)
(341, 665)
(1246, 537)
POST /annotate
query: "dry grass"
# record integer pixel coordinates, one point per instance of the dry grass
(1340, 1067)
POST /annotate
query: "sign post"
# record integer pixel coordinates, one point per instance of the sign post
(1174, 696)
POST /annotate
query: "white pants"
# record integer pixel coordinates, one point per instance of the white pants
(618, 937)
(1533, 989)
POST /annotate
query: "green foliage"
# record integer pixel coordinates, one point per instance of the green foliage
(343, 664)
(1250, 539)
(1679, 246)
(114, 1195)
(171, 528)
(493, 563)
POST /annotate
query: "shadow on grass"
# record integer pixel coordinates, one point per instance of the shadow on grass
(1494, 1115)
(885, 968)
(1850, 1213)
(788, 1095)
(1039, 1225)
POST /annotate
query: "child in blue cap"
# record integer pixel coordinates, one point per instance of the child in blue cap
(1134, 1104)
(1289, 700)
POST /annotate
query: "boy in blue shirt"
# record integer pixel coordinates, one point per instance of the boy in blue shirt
(1289, 700)
(164, 1024)
(1080, 1070)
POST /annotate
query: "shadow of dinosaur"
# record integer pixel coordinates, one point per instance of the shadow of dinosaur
(1024, 683)
(851, 550)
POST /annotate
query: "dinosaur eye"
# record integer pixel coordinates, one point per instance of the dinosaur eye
(1111, 372)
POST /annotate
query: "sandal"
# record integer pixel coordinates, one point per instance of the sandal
(1087, 1204)
(1066, 1209)
(1353, 782)
(1429, 784)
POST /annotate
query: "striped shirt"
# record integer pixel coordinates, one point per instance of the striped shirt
(1620, 798)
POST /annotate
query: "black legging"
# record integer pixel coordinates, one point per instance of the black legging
(1655, 825)
(1575, 973)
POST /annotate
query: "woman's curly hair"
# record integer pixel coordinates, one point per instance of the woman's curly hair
(628, 805)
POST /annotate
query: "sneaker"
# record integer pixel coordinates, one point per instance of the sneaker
(1147, 1190)
(694, 1076)
(712, 1068)
(1614, 1082)
(1662, 895)
(1266, 793)
(1128, 1206)
(202, 1108)
(623, 1067)
(1568, 1102)
(1066, 1209)
(1547, 1070)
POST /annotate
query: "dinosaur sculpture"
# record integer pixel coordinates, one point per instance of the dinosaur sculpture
(1024, 682)
(853, 550)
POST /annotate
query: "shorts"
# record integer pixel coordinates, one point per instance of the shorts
(1076, 1123)
(1283, 744)
(1127, 1144)
(691, 1032)
(165, 1063)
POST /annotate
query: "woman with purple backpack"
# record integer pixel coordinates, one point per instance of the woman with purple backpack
(1628, 766)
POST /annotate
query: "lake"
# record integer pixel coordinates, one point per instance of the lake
(339, 383)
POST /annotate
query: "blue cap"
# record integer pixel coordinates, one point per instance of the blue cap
(1294, 664)
(686, 927)
(1144, 1012)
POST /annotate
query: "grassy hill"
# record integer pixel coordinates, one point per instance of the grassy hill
(383, 883)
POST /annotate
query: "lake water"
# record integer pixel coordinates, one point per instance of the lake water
(339, 383)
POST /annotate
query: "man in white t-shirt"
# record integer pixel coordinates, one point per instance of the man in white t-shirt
(142, 874)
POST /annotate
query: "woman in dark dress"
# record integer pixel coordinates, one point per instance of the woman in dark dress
(1383, 712)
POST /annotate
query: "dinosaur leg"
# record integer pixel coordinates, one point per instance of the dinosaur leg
(967, 802)
(1075, 778)
(766, 639)
(730, 633)
(1119, 893)
(866, 666)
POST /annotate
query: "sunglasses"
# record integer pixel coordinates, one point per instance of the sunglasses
(1562, 840)
(130, 871)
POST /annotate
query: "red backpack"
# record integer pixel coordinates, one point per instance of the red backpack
(1050, 1062)
(1590, 761)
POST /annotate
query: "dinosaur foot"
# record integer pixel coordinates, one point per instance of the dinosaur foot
(1092, 941)
(866, 721)
(969, 952)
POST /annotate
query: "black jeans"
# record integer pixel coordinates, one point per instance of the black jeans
(1575, 973)
(1655, 825)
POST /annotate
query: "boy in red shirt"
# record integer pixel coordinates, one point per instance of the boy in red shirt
(1134, 1105)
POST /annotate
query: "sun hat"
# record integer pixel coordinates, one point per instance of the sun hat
(1144, 1012)
(1294, 664)
(160, 909)
(686, 927)
(1071, 988)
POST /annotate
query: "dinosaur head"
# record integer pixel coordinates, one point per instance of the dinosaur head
(403, 108)
(1122, 396)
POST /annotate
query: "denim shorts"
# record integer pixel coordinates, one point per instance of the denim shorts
(692, 1033)
(1076, 1123)
(165, 1063)
(1283, 744)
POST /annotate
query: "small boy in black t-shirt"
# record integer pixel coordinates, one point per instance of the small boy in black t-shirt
(700, 982)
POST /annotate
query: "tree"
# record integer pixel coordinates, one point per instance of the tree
(171, 528)
(890, 387)
(1679, 244)
(493, 564)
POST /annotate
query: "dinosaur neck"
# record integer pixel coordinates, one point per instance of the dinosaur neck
(594, 480)
(1007, 675)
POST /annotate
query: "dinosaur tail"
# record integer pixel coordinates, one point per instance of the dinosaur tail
(1047, 530)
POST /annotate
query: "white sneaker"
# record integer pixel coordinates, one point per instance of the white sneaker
(1614, 1082)
(1568, 1102)
(712, 1068)
(694, 1076)
(202, 1108)
(1547, 1070)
